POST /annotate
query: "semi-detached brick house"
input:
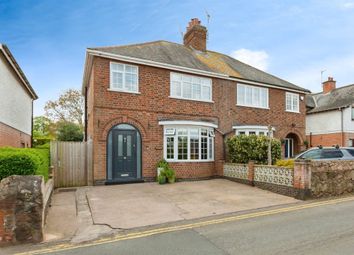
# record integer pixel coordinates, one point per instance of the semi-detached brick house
(330, 116)
(161, 99)
(16, 102)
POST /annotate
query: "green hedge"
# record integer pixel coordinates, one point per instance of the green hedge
(14, 161)
(242, 149)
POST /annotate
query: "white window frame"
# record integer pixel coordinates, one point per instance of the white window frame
(253, 90)
(255, 129)
(210, 135)
(197, 80)
(124, 72)
(292, 97)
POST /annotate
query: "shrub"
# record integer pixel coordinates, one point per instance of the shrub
(40, 141)
(285, 163)
(70, 132)
(14, 161)
(242, 149)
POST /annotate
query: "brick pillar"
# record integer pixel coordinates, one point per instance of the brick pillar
(302, 178)
(251, 172)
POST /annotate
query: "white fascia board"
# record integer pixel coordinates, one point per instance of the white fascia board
(256, 127)
(187, 123)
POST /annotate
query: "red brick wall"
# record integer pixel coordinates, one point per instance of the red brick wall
(153, 103)
(340, 139)
(13, 137)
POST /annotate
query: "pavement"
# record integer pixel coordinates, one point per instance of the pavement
(90, 212)
(314, 227)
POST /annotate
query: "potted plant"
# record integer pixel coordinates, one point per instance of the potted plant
(161, 179)
(161, 166)
(171, 175)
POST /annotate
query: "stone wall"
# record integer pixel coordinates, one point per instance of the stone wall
(22, 209)
(331, 178)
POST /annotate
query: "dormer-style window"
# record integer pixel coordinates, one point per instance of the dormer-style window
(190, 87)
(123, 77)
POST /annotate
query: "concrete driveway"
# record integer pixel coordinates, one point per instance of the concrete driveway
(138, 205)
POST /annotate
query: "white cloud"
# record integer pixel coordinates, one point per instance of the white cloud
(340, 68)
(348, 5)
(258, 59)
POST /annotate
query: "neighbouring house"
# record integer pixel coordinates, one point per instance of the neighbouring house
(330, 115)
(16, 103)
(160, 99)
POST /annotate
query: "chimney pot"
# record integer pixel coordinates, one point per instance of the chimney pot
(195, 35)
(329, 85)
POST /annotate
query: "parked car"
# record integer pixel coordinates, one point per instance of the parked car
(328, 153)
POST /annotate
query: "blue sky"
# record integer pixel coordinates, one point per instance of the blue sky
(294, 40)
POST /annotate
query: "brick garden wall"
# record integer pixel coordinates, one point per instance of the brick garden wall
(153, 103)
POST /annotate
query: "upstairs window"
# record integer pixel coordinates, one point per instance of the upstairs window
(252, 96)
(191, 87)
(292, 102)
(352, 112)
(123, 77)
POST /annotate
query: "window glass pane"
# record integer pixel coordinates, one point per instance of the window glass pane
(211, 148)
(206, 93)
(264, 98)
(129, 146)
(170, 153)
(255, 96)
(194, 144)
(187, 90)
(351, 152)
(182, 147)
(204, 132)
(242, 133)
(248, 97)
(240, 94)
(120, 145)
(251, 132)
(117, 67)
(261, 133)
(313, 154)
(117, 80)
(196, 91)
(352, 113)
(204, 147)
(176, 88)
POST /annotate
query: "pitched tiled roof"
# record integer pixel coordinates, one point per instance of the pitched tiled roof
(180, 55)
(337, 98)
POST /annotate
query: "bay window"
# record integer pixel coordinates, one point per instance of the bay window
(188, 143)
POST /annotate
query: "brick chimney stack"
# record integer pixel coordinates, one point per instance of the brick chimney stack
(196, 35)
(329, 85)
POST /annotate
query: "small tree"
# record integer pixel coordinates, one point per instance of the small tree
(242, 149)
(68, 131)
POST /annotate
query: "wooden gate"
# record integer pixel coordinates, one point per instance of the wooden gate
(72, 162)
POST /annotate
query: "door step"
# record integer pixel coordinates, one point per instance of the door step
(123, 181)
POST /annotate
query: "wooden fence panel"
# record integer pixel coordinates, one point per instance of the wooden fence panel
(72, 161)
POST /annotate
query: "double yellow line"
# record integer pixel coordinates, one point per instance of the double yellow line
(134, 235)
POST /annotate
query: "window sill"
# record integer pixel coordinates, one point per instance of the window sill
(196, 100)
(189, 161)
(292, 111)
(124, 91)
(257, 107)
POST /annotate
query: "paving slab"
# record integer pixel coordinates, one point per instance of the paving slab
(61, 222)
(139, 205)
